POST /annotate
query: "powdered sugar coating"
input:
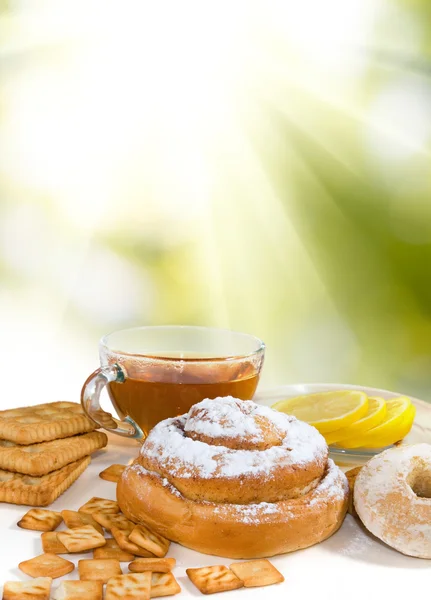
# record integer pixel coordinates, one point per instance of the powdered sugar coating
(387, 504)
(332, 488)
(224, 419)
(302, 445)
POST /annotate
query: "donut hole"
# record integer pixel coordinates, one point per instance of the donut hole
(420, 482)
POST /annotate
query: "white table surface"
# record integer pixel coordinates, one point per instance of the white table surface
(352, 564)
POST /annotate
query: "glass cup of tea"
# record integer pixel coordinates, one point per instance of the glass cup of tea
(152, 373)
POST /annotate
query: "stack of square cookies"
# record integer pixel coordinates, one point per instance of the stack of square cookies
(43, 450)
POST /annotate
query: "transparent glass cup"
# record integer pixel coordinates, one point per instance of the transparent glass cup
(152, 373)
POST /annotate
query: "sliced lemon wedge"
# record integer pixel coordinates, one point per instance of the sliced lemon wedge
(396, 425)
(376, 414)
(327, 411)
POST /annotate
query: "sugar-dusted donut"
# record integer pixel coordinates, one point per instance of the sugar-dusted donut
(235, 479)
(392, 497)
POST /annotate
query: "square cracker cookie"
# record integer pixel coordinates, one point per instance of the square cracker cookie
(122, 539)
(112, 550)
(133, 586)
(81, 539)
(145, 538)
(44, 457)
(108, 521)
(163, 584)
(99, 569)
(39, 519)
(210, 580)
(155, 565)
(256, 573)
(51, 543)
(46, 565)
(74, 519)
(38, 589)
(79, 590)
(112, 473)
(100, 505)
(39, 491)
(44, 422)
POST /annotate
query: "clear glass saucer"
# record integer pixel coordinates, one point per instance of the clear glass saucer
(421, 430)
(357, 455)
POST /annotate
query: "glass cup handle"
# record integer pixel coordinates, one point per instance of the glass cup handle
(90, 402)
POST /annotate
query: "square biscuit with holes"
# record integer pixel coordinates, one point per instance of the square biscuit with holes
(122, 539)
(40, 519)
(37, 589)
(81, 539)
(155, 565)
(102, 569)
(217, 578)
(46, 565)
(108, 521)
(257, 573)
(44, 422)
(129, 587)
(73, 519)
(163, 584)
(16, 488)
(79, 590)
(153, 542)
(112, 550)
(51, 543)
(45, 457)
(112, 473)
(100, 505)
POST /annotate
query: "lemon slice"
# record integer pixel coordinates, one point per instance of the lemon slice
(398, 422)
(376, 414)
(327, 411)
(400, 433)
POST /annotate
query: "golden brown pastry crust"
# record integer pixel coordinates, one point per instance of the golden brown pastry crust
(254, 501)
(232, 530)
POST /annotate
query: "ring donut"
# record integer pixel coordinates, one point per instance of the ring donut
(392, 497)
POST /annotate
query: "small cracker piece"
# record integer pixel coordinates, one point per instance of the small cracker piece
(51, 543)
(81, 539)
(39, 519)
(74, 519)
(133, 586)
(46, 565)
(145, 538)
(112, 473)
(256, 573)
(123, 541)
(99, 570)
(163, 584)
(109, 521)
(351, 478)
(38, 589)
(79, 590)
(156, 565)
(100, 505)
(210, 580)
(112, 550)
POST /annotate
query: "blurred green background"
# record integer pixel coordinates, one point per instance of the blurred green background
(262, 166)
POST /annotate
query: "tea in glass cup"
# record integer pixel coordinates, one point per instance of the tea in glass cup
(152, 373)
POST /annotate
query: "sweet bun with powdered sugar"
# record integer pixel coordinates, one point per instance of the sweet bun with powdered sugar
(235, 479)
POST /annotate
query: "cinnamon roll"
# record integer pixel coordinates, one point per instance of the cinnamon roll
(235, 479)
